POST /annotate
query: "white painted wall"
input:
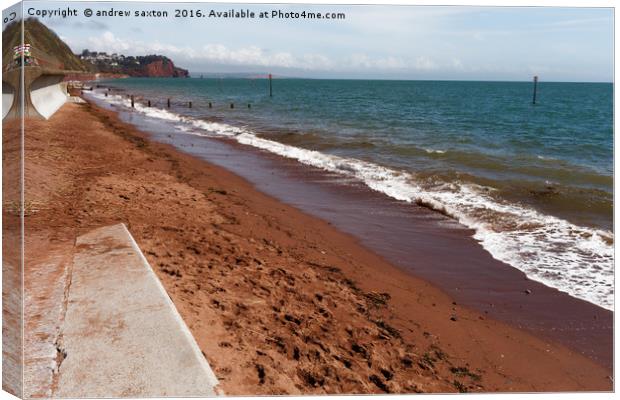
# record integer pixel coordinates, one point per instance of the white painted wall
(47, 94)
(8, 94)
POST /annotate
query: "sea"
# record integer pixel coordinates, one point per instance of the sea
(534, 182)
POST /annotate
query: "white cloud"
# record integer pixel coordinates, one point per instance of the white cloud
(424, 63)
(255, 56)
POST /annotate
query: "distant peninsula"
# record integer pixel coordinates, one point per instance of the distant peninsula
(48, 50)
(134, 66)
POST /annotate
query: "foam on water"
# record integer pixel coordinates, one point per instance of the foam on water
(431, 151)
(575, 259)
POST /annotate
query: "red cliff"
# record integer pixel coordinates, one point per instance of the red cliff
(160, 68)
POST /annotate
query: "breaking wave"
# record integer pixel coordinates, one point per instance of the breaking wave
(574, 259)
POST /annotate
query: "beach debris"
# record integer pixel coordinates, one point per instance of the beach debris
(453, 317)
(261, 373)
(464, 371)
(310, 378)
(527, 291)
(407, 362)
(379, 383)
(389, 330)
(460, 387)
(377, 299)
(218, 191)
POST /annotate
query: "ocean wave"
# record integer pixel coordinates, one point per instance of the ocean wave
(575, 259)
(433, 151)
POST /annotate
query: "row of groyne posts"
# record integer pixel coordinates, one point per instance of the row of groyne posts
(232, 105)
(188, 103)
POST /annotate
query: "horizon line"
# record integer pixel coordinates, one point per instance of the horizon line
(231, 75)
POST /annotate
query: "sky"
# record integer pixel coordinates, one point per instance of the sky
(372, 42)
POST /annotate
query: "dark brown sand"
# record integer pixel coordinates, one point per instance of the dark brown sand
(415, 238)
(279, 302)
(11, 260)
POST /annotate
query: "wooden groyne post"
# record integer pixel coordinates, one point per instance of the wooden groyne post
(190, 104)
(535, 88)
(270, 87)
(132, 102)
(148, 102)
(168, 102)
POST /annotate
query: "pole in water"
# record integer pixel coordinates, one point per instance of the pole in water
(106, 94)
(232, 105)
(535, 87)
(210, 105)
(249, 105)
(270, 87)
(168, 102)
(190, 104)
(148, 103)
(132, 102)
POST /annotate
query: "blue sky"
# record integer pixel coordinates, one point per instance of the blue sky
(391, 42)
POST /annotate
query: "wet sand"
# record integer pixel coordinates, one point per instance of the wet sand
(279, 301)
(415, 239)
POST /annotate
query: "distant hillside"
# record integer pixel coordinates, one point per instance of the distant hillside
(48, 50)
(46, 47)
(138, 66)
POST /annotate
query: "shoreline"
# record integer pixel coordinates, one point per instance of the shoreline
(409, 236)
(571, 257)
(247, 268)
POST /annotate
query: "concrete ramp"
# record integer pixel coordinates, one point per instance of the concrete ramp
(48, 94)
(44, 92)
(8, 96)
(122, 335)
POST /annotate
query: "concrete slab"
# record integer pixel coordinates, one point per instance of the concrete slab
(122, 335)
(48, 94)
(45, 289)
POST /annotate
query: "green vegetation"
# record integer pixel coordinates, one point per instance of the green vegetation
(46, 47)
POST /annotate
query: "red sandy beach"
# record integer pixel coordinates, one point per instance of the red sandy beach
(280, 302)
